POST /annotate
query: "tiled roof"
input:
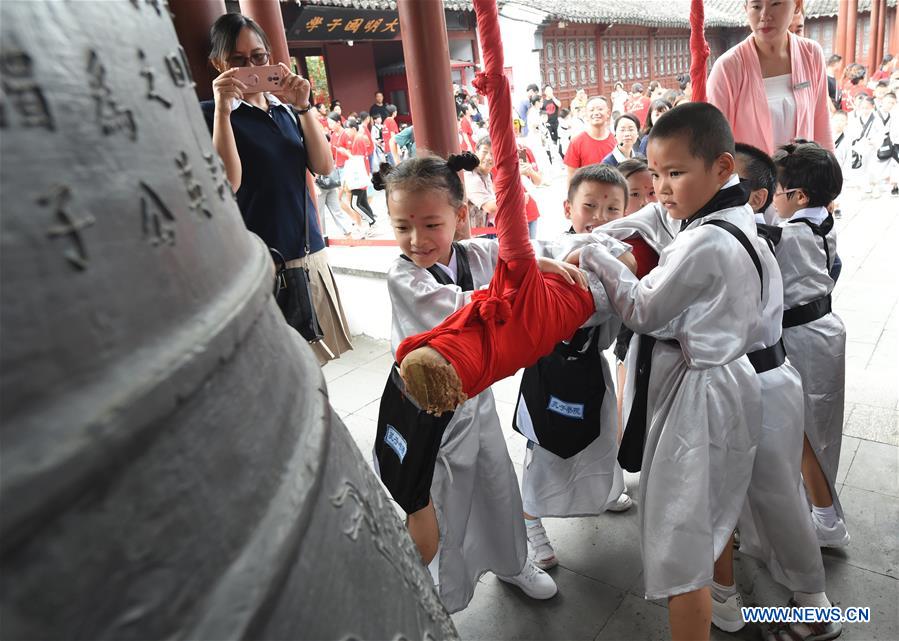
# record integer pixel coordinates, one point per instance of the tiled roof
(382, 5)
(811, 8)
(654, 13)
(648, 13)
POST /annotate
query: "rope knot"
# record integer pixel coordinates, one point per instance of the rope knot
(484, 82)
(491, 308)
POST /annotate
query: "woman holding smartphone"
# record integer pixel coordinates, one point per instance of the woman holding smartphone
(267, 142)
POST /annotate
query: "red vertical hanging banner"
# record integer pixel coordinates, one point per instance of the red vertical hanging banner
(699, 51)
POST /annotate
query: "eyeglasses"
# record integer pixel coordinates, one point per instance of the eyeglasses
(786, 192)
(257, 60)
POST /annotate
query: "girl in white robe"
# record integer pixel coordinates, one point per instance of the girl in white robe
(473, 523)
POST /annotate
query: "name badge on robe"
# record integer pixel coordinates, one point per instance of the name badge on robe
(802, 85)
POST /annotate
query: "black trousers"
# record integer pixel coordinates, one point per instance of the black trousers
(359, 202)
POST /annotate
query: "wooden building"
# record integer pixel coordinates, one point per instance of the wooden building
(350, 50)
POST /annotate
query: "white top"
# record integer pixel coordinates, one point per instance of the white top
(782, 106)
(816, 215)
(453, 266)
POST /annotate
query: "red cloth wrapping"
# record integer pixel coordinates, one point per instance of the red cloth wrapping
(699, 51)
(522, 314)
(646, 257)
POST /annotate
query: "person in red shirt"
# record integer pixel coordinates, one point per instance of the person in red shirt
(638, 104)
(465, 128)
(530, 176)
(340, 150)
(357, 174)
(886, 67)
(596, 142)
(855, 86)
(389, 131)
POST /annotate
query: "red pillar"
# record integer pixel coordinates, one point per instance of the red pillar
(193, 19)
(894, 37)
(881, 28)
(268, 14)
(872, 36)
(840, 49)
(851, 26)
(426, 54)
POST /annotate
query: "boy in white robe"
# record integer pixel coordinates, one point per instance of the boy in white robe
(809, 178)
(591, 481)
(775, 526)
(699, 392)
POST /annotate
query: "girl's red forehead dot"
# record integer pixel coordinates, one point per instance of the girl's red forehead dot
(412, 216)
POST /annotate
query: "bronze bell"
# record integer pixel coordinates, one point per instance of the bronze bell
(171, 467)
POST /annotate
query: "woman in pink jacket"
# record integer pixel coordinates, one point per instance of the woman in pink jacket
(772, 87)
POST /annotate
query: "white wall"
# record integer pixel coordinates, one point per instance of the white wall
(517, 26)
(366, 303)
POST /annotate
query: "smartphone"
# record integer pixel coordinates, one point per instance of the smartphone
(258, 79)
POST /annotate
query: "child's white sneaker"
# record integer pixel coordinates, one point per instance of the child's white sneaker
(623, 504)
(831, 537)
(533, 581)
(728, 615)
(539, 547)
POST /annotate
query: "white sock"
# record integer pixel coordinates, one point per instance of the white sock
(827, 516)
(723, 592)
(532, 522)
(434, 568)
(811, 599)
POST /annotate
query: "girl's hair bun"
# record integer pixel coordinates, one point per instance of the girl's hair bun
(379, 178)
(466, 160)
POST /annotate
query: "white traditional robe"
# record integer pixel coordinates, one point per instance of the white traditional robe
(703, 408)
(775, 526)
(591, 480)
(817, 349)
(474, 490)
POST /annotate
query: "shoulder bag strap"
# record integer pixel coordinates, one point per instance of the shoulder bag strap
(737, 233)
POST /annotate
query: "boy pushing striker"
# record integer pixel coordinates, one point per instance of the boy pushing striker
(696, 392)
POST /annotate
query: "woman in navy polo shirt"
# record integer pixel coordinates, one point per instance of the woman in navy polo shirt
(267, 143)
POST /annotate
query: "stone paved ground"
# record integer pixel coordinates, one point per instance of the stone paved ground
(599, 575)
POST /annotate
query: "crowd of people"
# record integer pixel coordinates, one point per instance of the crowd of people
(705, 232)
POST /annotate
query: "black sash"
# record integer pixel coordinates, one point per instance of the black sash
(735, 231)
(725, 198)
(771, 235)
(768, 358)
(630, 452)
(807, 313)
(820, 230)
(408, 438)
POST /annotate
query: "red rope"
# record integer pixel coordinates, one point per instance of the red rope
(699, 51)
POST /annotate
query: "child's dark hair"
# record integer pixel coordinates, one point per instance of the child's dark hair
(811, 168)
(225, 31)
(597, 173)
(427, 172)
(632, 166)
(391, 110)
(655, 105)
(701, 125)
(758, 170)
(564, 113)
